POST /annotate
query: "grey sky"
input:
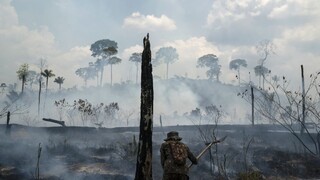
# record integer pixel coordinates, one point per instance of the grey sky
(62, 30)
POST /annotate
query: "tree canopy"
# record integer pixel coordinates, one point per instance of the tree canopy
(47, 74)
(236, 65)
(23, 74)
(59, 80)
(261, 70)
(210, 61)
(167, 55)
(104, 50)
(86, 73)
(102, 47)
(136, 58)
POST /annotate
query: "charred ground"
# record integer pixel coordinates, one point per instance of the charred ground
(259, 152)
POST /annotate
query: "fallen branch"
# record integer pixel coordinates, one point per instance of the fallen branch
(55, 121)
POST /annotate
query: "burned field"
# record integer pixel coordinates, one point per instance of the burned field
(259, 152)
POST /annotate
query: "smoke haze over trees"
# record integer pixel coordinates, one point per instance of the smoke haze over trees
(220, 63)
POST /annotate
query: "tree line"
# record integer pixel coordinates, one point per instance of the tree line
(104, 51)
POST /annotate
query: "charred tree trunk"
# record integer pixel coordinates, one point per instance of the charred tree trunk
(8, 127)
(23, 82)
(37, 173)
(303, 103)
(252, 106)
(144, 157)
(318, 140)
(62, 123)
(39, 96)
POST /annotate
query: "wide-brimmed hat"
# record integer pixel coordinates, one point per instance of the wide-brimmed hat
(173, 135)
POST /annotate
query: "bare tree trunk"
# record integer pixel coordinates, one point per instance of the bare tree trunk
(39, 96)
(101, 76)
(97, 78)
(47, 81)
(239, 74)
(23, 82)
(259, 80)
(252, 106)
(45, 97)
(111, 74)
(37, 173)
(144, 157)
(167, 70)
(263, 78)
(303, 103)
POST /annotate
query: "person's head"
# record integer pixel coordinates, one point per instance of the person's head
(173, 135)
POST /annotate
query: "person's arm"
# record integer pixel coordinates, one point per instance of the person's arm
(192, 158)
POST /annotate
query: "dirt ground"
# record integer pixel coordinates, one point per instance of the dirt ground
(260, 152)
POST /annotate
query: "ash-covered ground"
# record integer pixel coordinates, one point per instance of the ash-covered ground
(259, 152)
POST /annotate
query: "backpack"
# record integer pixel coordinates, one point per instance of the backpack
(179, 153)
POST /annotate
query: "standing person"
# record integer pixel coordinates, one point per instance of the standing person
(174, 156)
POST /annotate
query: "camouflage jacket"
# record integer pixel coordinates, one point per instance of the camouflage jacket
(167, 161)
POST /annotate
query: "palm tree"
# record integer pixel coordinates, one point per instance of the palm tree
(59, 80)
(22, 74)
(47, 74)
(136, 58)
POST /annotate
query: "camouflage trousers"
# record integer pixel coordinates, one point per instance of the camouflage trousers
(174, 176)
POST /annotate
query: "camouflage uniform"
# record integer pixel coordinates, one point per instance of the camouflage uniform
(171, 170)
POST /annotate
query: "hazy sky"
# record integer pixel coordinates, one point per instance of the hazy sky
(61, 31)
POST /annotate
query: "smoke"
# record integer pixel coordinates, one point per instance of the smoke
(174, 99)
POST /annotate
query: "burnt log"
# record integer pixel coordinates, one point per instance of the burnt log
(54, 121)
(144, 156)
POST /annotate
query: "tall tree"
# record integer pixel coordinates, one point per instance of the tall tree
(261, 71)
(103, 50)
(59, 80)
(210, 61)
(47, 74)
(136, 58)
(144, 157)
(31, 78)
(41, 66)
(167, 55)
(97, 67)
(22, 74)
(265, 48)
(112, 61)
(236, 65)
(86, 73)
